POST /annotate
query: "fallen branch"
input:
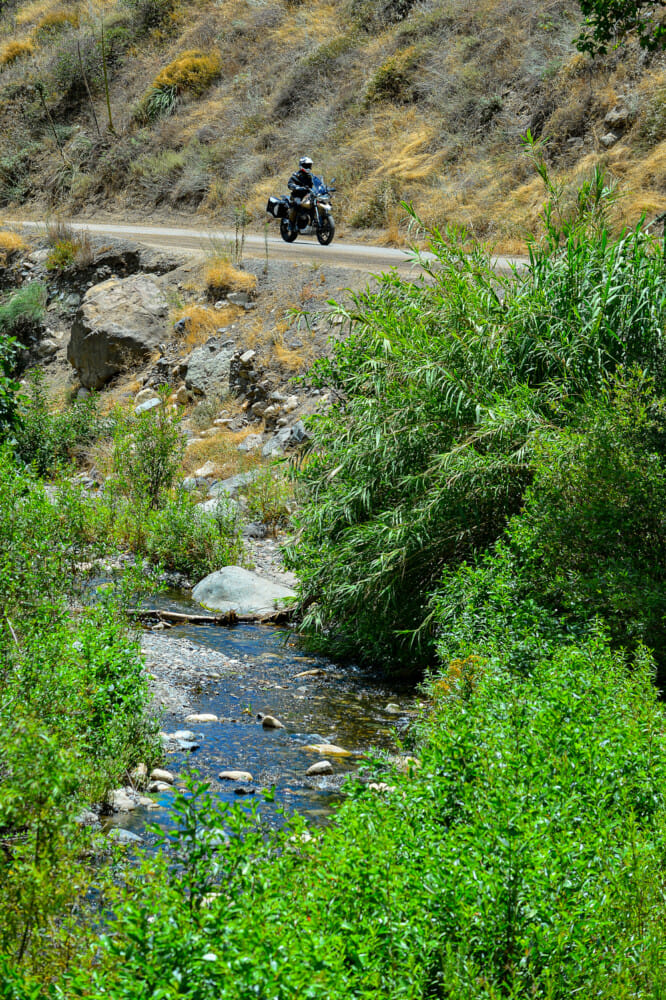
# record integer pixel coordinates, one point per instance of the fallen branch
(227, 619)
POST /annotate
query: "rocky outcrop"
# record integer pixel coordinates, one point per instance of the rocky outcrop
(236, 589)
(119, 323)
(208, 366)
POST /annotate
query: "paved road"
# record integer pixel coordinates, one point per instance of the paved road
(360, 256)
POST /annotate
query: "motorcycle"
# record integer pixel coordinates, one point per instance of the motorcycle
(312, 216)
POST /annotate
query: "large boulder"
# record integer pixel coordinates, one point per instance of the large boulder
(236, 589)
(120, 323)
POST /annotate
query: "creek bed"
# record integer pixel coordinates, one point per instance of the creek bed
(256, 674)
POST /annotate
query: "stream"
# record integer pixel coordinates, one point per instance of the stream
(257, 673)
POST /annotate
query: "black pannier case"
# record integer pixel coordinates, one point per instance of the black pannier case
(277, 208)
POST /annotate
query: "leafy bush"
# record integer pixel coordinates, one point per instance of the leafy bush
(180, 537)
(270, 498)
(147, 451)
(192, 71)
(444, 390)
(45, 438)
(591, 539)
(393, 80)
(61, 255)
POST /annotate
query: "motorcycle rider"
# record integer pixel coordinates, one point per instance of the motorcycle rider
(300, 184)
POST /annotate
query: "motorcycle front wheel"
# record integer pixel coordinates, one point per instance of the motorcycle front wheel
(286, 232)
(326, 230)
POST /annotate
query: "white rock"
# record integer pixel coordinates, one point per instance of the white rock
(209, 469)
(202, 717)
(321, 767)
(235, 776)
(120, 801)
(160, 786)
(157, 774)
(270, 722)
(145, 394)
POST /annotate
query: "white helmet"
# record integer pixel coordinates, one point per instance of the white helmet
(305, 163)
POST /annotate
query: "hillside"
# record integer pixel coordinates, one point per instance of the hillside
(211, 104)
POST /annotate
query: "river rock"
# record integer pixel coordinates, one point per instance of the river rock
(270, 722)
(235, 776)
(393, 709)
(321, 767)
(120, 801)
(329, 748)
(202, 717)
(232, 485)
(158, 774)
(119, 324)
(160, 786)
(236, 589)
(120, 836)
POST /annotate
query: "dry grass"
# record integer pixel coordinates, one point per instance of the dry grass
(202, 322)
(16, 49)
(11, 243)
(192, 71)
(30, 13)
(221, 277)
(59, 18)
(222, 450)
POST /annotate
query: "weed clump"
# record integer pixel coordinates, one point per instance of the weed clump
(18, 48)
(221, 277)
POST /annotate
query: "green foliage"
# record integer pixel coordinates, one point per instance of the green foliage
(61, 255)
(45, 438)
(180, 537)
(73, 703)
(8, 385)
(445, 386)
(523, 856)
(147, 452)
(591, 539)
(608, 22)
(270, 498)
(22, 314)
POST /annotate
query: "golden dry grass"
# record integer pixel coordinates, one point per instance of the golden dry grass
(202, 322)
(222, 450)
(221, 277)
(58, 18)
(16, 49)
(11, 242)
(193, 71)
(30, 13)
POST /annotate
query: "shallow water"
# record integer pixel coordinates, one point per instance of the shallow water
(341, 705)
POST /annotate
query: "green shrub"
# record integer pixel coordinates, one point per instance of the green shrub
(445, 388)
(270, 498)
(61, 255)
(523, 856)
(180, 537)
(22, 314)
(45, 438)
(147, 451)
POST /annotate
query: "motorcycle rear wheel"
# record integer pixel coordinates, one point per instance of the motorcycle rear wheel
(326, 230)
(286, 232)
